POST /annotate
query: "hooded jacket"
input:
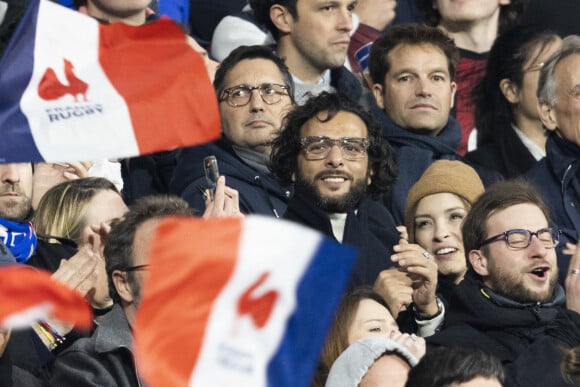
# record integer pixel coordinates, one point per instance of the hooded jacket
(259, 192)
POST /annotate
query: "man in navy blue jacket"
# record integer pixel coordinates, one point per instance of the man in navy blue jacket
(413, 70)
(255, 91)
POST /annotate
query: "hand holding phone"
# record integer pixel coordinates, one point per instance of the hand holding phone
(212, 173)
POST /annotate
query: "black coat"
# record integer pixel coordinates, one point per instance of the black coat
(371, 231)
(527, 338)
(507, 155)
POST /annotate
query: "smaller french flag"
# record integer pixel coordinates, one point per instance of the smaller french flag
(75, 89)
(237, 302)
(28, 295)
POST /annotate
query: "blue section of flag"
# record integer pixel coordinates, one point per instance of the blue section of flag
(318, 295)
(17, 144)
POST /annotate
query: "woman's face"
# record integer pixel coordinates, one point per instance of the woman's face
(437, 223)
(371, 319)
(102, 208)
(525, 107)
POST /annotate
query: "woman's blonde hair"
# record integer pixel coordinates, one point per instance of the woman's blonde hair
(61, 211)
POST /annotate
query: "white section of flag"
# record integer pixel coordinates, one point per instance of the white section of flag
(62, 33)
(238, 354)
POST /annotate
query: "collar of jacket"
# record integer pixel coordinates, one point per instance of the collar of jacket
(113, 331)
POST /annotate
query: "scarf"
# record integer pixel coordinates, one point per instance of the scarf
(19, 238)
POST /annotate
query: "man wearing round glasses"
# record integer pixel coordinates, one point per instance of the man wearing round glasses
(333, 152)
(255, 91)
(510, 303)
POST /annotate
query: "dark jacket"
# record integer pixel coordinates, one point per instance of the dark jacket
(147, 175)
(371, 231)
(104, 359)
(557, 176)
(506, 154)
(414, 153)
(259, 193)
(527, 338)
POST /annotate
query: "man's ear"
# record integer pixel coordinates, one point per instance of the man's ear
(547, 115)
(509, 90)
(370, 176)
(453, 86)
(478, 262)
(281, 18)
(122, 286)
(378, 94)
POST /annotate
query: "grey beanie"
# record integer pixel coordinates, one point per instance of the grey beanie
(352, 364)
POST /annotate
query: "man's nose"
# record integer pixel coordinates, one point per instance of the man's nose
(9, 174)
(334, 157)
(256, 102)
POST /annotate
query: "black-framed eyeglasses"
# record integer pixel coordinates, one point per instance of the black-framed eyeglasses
(134, 268)
(241, 95)
(318, 147)
(521, 238)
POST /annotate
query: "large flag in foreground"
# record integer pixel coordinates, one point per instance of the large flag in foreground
(74, 89)
(28, 294)
(237, 302)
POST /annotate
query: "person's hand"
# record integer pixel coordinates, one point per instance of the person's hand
(422, 269)
(404, 234)
(396, 288)
(569, 249)
(47, 175)
(98, 237)
(225, 202)
(4, 338)
(572, 281)
(415, 344)
(80, 271)
(376, 13)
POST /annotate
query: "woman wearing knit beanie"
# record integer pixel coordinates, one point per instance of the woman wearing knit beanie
(430, 255)
(436, 207)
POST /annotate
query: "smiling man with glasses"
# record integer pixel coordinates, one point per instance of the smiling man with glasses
(333, 152)
(255, 91)
(510, 303)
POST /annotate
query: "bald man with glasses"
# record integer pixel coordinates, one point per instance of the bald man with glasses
(255, 91)
(510, 303)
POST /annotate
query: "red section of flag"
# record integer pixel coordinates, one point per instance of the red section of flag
(164, 83)
(23, 288)
(185, 278)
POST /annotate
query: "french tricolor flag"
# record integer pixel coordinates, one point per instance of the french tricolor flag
(28, 295)
(74, 89)
(237, 302)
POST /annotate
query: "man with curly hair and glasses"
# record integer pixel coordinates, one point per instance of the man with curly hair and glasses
(510, 303)
(333, 152)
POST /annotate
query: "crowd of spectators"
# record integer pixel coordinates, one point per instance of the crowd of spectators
(441, 139)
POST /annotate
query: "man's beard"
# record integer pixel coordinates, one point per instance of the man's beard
(16, 209)
(511, 286)
(336, 204)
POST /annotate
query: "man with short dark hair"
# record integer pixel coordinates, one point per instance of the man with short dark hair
(313, 38)
(510, 303)
(332, 151)
(413, 69)
(255, 91)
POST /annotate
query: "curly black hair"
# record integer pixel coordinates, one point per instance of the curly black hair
(286, 147)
